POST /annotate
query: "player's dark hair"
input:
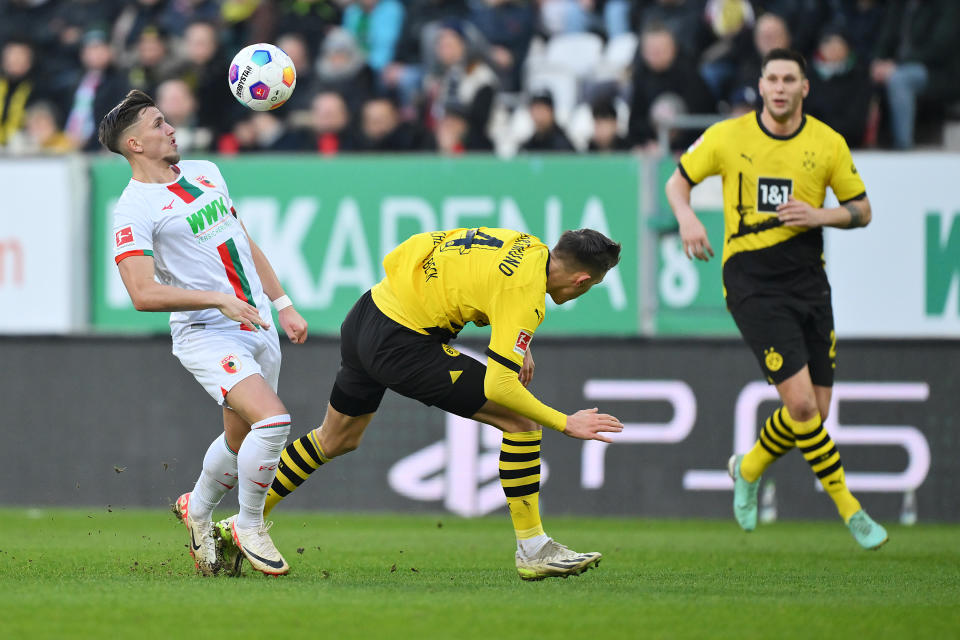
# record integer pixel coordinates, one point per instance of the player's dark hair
(784, 54)
(121, 117)
(589, 249)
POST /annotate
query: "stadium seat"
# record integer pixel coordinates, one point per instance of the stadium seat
(577, 53)
(618, 56)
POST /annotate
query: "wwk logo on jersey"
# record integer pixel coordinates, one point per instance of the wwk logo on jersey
(124, 236)
(523, 342)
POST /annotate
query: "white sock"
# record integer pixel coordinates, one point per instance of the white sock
(531, 546)
(218, 476)
(257, 466)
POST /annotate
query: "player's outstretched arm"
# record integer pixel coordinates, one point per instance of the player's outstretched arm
(290, 319)
(693, 234)
(589, 424)
(149, 295)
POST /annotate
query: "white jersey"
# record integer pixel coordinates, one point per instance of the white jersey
(190, 228)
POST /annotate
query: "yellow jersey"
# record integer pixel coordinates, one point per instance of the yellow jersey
(438, 282)
(761, 170)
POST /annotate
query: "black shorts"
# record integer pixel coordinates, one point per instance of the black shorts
(787, 333)
(378, 354)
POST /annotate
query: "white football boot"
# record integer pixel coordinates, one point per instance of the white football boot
(259, 549)
(202, 547)
(555, 560)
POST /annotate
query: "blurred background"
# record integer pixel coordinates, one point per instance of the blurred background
(411, 115)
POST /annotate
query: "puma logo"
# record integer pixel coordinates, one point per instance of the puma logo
(747, 158)
(169, 206)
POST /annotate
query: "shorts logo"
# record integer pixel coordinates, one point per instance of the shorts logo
(772, 359)
(450, 351)
(523, 342)
(124, 236)
(231, 364)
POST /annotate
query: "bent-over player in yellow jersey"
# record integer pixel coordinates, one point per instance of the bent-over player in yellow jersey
(396, 336)
(776, 165)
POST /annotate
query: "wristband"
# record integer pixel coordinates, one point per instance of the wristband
(282, 303)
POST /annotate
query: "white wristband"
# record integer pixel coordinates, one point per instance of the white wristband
(282, 303)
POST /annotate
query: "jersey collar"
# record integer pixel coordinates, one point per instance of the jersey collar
(803, 122)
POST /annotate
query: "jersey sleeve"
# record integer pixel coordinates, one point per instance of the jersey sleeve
(701, 159)
(844, 179)
(514, 318)
(132, 232)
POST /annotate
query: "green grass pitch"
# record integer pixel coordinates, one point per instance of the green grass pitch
(90, 573)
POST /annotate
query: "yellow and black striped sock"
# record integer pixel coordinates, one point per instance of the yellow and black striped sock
(299, 459)
(775, 439)
(520, 478)
(821, 454)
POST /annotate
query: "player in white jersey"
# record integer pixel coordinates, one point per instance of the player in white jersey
(181, 248)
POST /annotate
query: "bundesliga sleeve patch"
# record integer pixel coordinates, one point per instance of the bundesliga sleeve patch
(124, 236)
(522, 343)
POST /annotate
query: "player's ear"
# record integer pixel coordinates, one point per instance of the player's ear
(133, 145)
(581, 278)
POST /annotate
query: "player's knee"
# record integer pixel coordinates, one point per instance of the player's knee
(803, 410)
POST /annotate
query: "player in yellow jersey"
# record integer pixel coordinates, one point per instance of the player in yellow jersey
(396, 336)
(776, 165)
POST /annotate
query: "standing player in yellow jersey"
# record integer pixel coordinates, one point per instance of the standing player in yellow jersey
(776, 165)
(396, 337)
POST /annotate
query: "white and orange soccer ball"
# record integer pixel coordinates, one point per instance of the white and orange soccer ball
(262, 77)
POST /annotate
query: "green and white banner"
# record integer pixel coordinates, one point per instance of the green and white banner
(326, 225)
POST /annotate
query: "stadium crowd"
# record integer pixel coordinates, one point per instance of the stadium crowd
(450, 76)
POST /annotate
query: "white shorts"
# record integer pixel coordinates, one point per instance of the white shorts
(221, 359)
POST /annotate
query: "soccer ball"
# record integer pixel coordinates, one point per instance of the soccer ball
(262, 77)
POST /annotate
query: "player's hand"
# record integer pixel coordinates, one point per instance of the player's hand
(797, 213)
(526, 371)
(587, 424)
(293, 325)
(693, 235)
(238, 310)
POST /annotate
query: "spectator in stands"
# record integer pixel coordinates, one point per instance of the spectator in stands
(17, 86)
(770, 33)
(203, 70)
(414, 53)
(807, 20)
(618, 17)
(310, 20)
(100, 87)
(297, 107)
(270, 133)
(839, 87)
(133, 19)
(178, 15)
(508, 27)
(152, 63)
(568, 16)
(462, 78)
(384, 131)
(916, 57)
(330, 130)
(662, 69)
(376, 26)
(342, 68)
(42, 131)
(455, 135)
(731, 22)
(547, 134)
(684, 18)
(606, 136)
(179, 107)
(61, 63)
(861, 20)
